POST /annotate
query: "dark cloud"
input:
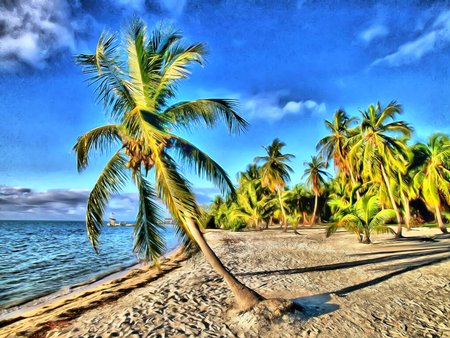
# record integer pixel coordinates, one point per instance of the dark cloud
(25, 203)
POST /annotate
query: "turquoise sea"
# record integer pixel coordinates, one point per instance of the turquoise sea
(39, 258)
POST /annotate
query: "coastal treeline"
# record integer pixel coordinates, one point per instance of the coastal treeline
(380, 177)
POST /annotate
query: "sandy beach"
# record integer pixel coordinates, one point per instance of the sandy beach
(345, 289)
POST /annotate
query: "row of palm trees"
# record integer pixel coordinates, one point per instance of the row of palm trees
(376, 171)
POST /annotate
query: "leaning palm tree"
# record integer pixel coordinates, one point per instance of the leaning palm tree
(379, 151)
(274, 171)
(316, 178)
(136, 80)
(365, 218)
(433, 179)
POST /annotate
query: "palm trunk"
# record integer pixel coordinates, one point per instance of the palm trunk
(439, 219)
(245, 297)
(313, 217)
(407, 211)
(305, 218)
(282, 209)
(353, 182)
(394, 205)
(270, 222)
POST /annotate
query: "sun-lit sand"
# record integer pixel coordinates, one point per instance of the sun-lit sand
(346, 289)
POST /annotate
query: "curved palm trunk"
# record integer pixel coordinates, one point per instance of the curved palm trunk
(313, 217)
(245, 297)
(394, 205)
(439, 219)
(282, 209)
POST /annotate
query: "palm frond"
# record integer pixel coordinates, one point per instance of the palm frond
(208, 112)
(204, 166)
(382, 217)
(111, 181)
(148, 230)
(331, 229)
(113, 86)
(98, 140)
(383, 229)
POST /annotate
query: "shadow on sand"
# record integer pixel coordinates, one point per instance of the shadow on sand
(319, 304)
(329, 267)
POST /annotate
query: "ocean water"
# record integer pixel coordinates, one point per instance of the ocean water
(38, 258)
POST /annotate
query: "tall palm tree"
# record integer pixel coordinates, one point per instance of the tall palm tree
(335, 146)
(316, 178)
(434, 177)
(136, 80)
(274, 171)
(379, 150)
(364, 219)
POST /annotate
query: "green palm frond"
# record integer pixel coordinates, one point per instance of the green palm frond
(110, 77)
(142, 80)
(148, 230)
(331, 229)
(382, 217)
(383, 229)
(175, 191)
(98, 140)
(206, 112)
(111, 181)
(203, 165)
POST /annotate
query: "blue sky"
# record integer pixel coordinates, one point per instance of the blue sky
(290, 63)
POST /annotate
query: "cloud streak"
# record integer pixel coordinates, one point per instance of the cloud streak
(436, 37)
(373, 32)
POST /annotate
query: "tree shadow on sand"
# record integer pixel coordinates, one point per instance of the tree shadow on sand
(408, 254)
(318, 304)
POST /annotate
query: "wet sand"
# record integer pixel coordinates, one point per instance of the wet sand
(346, 289)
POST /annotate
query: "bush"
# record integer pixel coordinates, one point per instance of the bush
(236, 225)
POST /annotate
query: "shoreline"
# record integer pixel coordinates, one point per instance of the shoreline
(19, 310)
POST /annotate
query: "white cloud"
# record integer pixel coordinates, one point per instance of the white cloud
(411, 51)
(267, 106)
(174, 6)
(374, 31)
(33, 30)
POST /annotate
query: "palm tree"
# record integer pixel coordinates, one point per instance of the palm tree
(364, 219)
(315, 181)
(379, 151)
(335, 146)
(252, 206)
(275, 172)
(298, 203)
(434, 177)
(136, 89)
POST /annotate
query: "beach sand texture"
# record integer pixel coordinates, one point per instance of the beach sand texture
(388, 289)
